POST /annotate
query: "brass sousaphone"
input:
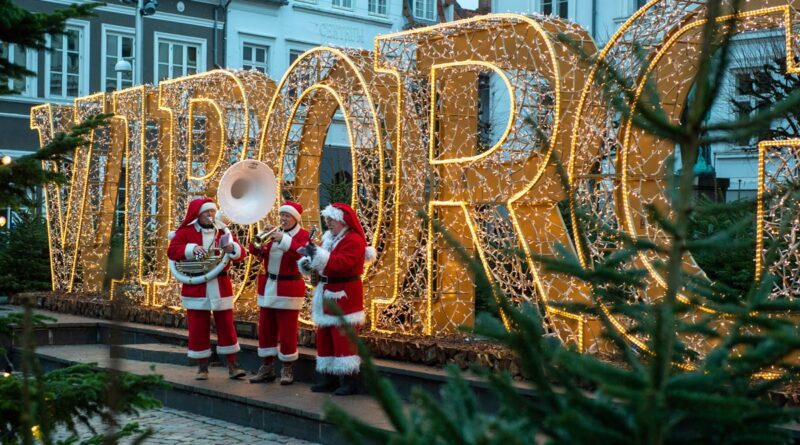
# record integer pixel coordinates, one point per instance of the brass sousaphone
(245, 195)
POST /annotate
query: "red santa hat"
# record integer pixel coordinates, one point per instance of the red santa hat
(196, 207)
(291, 208)
(339, 211)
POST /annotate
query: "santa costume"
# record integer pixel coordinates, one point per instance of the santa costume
(340, 262)
(216, 295)
(281, 289)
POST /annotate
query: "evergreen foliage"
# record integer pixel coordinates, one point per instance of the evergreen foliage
(24, 254)
(33, 403)
(27, 30)
(667, 394)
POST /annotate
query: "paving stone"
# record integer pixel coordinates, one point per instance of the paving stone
(173, 427)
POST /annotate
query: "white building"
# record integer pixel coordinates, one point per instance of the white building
(269, 35)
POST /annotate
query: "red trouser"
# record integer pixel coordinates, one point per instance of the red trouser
(336, 354)
(278, 326)
(200, 333)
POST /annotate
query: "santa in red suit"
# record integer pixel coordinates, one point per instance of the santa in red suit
(281, 289)
(340, 262)
(196, 236)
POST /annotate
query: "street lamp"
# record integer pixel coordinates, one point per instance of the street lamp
(5, 160)
(143, 8)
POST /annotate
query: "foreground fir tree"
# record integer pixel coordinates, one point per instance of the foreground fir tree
(34, 403)
(723, 397)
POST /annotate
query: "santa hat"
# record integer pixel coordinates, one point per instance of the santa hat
(291, 208)
(196, 207)
(339, 211)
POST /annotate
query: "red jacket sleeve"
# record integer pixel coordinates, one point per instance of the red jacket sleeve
(176, 251)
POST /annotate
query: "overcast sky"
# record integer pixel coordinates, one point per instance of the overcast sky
(468, 4)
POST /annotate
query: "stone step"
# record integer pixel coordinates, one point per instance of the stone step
(152, 353)
(291, 410)
(73, 330)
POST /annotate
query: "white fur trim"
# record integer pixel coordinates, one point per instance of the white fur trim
(320, 260)
(206, 304)
(199, 354)
(323, 363)
(334, 295)
(276, 302)
(206, 206)
(321, 319)
(171, 234)
(232, 349)
(333, 213)
(284, 244)
(370, 255)
(267, 352)
(289, 357)
(349, 364)
(304, 265)
(237, 252)
(290, 210)
(188, 251)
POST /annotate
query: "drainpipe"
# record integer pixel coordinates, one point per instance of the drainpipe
(594, 20)
(214, 40)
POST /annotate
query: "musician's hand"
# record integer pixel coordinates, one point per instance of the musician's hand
(267, 227)
(277, 236)
(199, 251)
(228, 248)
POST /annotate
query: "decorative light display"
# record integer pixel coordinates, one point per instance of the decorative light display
(467, 121)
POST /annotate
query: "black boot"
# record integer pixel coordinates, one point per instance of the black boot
(349, 385)
(324, 382)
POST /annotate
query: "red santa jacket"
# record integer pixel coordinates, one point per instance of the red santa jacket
(340, 261)
(217, 294)
(280, 285)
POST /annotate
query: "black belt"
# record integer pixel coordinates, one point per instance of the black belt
(272, 276)
(335, 280)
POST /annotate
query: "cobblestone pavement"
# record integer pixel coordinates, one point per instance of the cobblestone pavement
(173, 427)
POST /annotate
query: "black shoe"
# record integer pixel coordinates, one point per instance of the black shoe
(324, 383)
(348, 387)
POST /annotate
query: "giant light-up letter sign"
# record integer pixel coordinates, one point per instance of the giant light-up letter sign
(494, 189)
(632, 162)
(467, 121)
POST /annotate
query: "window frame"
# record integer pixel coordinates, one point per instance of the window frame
(339, 6)
(434, 11)
(31, 59)
(257, 40)
(375, 13)
(120, 31)
(159, 37)
(84, 54)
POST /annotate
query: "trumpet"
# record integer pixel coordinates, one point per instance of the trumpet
(262, 236)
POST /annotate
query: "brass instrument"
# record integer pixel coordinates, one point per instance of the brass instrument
(201, 264)
(314, 274)
(246, 193)
(261, 237)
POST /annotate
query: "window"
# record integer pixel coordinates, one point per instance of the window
(425, 9)
(66, 64)
(377, 7)
(561, 8)
(294, 54)
(255, 57)
(343, 3)
(177, 58)
(748, 85)
(118, 46)
(17, 55)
